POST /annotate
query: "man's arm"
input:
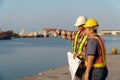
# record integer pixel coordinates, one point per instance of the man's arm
(68, 35)
(91, 52)
(89, 66)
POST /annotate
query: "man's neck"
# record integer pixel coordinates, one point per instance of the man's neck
(92, 35)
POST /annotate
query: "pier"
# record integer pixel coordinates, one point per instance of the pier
(62, 73)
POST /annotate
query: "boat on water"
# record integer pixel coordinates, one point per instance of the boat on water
(4, 35)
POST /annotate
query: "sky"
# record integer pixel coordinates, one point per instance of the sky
(34, 15)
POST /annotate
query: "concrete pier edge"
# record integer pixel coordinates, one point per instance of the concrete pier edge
(62, 73)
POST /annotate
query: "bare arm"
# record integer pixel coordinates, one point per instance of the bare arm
(68, 35)
(89, 66)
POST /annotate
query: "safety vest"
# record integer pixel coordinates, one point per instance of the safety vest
(82, 43)
(101, 61)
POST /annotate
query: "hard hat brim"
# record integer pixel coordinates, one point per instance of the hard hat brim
(95, 27)
(78, 24)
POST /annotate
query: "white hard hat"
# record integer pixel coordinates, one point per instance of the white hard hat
(80, 21)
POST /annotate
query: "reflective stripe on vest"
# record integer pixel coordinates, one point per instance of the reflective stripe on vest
(81, 45)
(101, 62)
(75, 42)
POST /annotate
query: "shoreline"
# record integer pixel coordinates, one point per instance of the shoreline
(62, 73)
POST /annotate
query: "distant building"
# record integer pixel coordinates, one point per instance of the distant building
(109, 32)
(31, 34)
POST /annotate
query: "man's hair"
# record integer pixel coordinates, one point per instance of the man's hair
(94, 29)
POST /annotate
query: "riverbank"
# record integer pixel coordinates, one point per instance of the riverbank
(62, 73)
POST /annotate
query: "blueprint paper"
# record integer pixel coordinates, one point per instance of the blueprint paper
(73, 64)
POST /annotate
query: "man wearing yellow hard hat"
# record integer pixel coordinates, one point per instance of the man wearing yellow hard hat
(96, 65)
(78, 39)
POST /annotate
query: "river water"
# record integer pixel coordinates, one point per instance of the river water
(22, 57)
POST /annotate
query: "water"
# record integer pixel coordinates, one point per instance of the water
(111, 42)
(28, 56)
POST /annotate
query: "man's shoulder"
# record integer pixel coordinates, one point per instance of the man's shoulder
(93, 41)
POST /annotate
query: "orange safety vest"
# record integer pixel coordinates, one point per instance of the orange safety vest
(101, 61)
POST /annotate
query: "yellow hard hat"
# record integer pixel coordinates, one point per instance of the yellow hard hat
(91, 23)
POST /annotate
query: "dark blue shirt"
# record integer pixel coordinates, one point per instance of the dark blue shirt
(93, 48)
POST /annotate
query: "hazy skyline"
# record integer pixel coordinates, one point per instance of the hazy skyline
(33, 15)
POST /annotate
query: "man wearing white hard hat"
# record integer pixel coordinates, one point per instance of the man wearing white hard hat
(79, 40)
